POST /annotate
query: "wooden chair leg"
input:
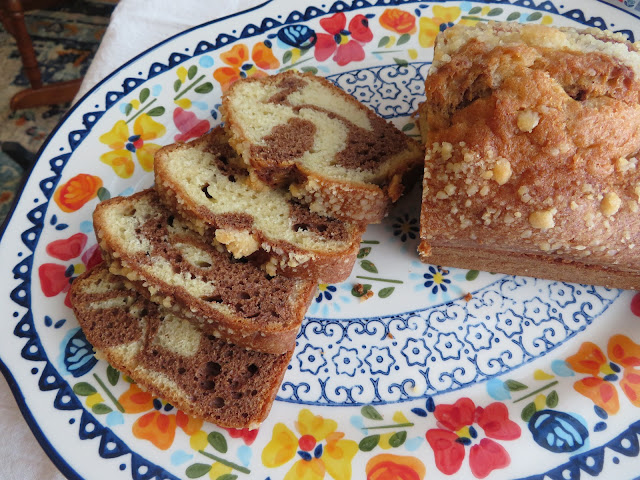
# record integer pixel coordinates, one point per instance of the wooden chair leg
(15, 15)
(51, 94)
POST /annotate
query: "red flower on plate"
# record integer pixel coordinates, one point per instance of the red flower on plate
(189, 125)
(56, 278)
(346, 44)
(248, 436)
(457, 431)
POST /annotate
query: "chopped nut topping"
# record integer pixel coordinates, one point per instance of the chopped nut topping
(610, 204)
(633, 206)
(441, 195)
(468, 297)
(528, 120)
(502, 171)
(487, 175)
(484, 190)
(367, 296)
(450, 189)
(573, 205)
(543, 219)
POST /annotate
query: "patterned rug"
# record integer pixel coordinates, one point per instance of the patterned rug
(65, 40)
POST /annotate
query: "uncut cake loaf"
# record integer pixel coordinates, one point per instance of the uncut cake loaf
(532, 136)
(200, 374)
(335, 154)
(174, 266)
(205, 182)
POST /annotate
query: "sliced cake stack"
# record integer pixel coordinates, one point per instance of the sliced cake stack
(208, 275)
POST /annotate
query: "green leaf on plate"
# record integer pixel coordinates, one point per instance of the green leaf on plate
(144, 94)
(364, 252)
(113, 375)
(127, 109)
(192, 72)
(227, 476)
(204, 88)
(176, 85)
(103, 194)
(156, 112)
(515, 386)
(365, 288)
(404, 38)
(528, 411)
(197, 470)
(383, 41)
(286, 58)
(397, 439)
(534, 16)
(368, 266)
(369, 443)
(408, 127)
(513, 16)
(312, 70)
(217, 441)
(475, 10)
(552, 399)
(370, 412)
(385, 292)
(494, 12)
(400, 61)
(101, 409)
(83, 389)
(472, 275)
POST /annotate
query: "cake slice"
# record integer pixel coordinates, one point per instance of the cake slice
(532, 137)
(207, 185)
(176, 267)
(167, 355)
(335, 154)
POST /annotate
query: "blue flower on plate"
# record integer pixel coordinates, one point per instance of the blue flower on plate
(326, 292)
(436, 279)
(298, 36)
(406, 227)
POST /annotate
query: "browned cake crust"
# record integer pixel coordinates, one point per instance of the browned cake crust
(378, 162)
(176, 267)
(200, 374)
(215, 198)
(532, 135)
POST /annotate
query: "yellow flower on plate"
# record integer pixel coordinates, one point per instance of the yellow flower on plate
(123, 145)
(320, 447)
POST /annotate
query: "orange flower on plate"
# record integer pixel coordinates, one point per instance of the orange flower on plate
(599, 386)
(394, 467)
(398, 21)
(156, 426)
(239, 66)
(73, 194)
(123, 145)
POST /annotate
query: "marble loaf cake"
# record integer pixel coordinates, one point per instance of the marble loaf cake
(531, 168)
(205, 182)
(176, 267)
(167, 355)
(334, 154)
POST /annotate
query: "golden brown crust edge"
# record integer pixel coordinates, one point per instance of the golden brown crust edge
(538, 266)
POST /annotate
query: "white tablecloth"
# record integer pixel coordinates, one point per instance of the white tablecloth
(135, 26)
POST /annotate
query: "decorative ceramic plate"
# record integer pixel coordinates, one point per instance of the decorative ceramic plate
(440, 372)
